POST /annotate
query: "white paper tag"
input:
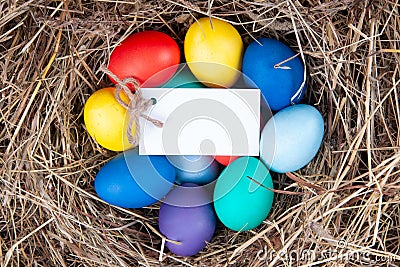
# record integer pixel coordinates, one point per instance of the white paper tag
(206, 121)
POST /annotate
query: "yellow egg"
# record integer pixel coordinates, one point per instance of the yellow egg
(219, 46)
(106, 120)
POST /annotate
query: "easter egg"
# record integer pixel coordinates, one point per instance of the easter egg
(242, 199)
(105, 119)
(144, 54)
(213, 49)
(291, 139)
(133, 181)
(183, 78)
(225, 160)
(194, 169)
(265, 65)
(181, 219)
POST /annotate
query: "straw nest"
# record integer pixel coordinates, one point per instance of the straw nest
(341, 209)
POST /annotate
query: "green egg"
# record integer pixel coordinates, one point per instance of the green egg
(183, 78)
(242, 199)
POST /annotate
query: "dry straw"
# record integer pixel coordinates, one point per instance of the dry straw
(342, 207)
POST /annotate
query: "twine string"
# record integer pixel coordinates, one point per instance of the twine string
(136, 107)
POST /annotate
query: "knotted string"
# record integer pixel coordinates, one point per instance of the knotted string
(136, 107)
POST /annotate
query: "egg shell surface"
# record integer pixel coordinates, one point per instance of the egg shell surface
(214, 50)
(226, 160)
(144, 54)
(187, 217)
(105, 119)
(264, 68)
(131, 180)
(183, 78)
(291, 139)
(242, 199)
(198, 169)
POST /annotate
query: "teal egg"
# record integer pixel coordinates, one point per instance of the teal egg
(242, 199)
(183, 78)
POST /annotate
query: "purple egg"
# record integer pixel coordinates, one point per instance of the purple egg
(187, 216)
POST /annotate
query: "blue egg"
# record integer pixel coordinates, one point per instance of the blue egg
(291, 139)
(278, 85)
(202, 177)
(133, 181)
(183, 78)
(194, 168)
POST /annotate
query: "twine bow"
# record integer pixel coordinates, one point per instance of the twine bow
(136, 107)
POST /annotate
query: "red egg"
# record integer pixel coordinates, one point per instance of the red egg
(225, 160)
(144, 54)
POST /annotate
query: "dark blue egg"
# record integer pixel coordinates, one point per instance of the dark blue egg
(278, 84)
(133, 181)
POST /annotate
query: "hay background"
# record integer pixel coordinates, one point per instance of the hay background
(50, 52)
